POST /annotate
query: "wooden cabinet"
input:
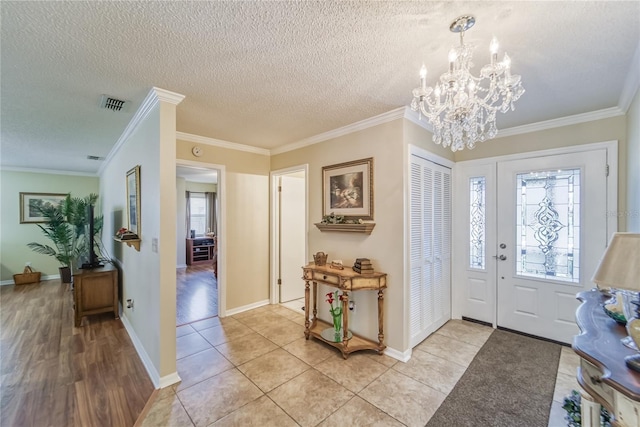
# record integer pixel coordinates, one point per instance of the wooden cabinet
(347, 281)
(95, 291)
(603, 373)
(200, 250)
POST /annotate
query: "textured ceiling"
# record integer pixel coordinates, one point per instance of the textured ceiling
(267, 74)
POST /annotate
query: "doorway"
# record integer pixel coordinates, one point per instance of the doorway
(534, 228)
(198, 237)
(289, 233)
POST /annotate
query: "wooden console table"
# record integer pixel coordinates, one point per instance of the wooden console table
(603, 373)
(347, 281)
(95, 291)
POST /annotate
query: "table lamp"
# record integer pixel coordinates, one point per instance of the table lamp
(619, 268)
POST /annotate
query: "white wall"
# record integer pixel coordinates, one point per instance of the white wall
(148, 276)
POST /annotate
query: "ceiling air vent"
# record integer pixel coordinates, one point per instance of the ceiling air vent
(95, 157)
(111, 103)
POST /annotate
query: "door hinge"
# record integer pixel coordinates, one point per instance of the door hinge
(279, 188)
(607, 170)
(279, 281)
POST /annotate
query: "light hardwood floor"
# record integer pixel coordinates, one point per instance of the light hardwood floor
(53, 374)
(196, 294)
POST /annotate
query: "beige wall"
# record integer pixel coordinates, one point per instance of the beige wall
(418, 136)
(181, 214)
(632, 213)
(612, 129)
(246, 240)
(14, 236)
(385, 246)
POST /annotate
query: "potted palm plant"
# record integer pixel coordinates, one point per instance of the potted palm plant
(65, 227)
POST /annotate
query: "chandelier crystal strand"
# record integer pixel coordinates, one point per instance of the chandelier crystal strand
(461, 107)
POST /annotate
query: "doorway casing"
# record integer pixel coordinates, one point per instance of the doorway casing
(274, 179)
(221, 232)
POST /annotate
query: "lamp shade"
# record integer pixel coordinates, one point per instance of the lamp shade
(620, 264)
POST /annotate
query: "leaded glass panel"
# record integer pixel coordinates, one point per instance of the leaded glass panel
(548, 225)
(477, 214)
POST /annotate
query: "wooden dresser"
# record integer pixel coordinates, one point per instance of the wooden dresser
(347, 281)
(603, 373)
(95, 291)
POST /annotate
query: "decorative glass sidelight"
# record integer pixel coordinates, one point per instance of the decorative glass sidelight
(548, 225)
(477, 215)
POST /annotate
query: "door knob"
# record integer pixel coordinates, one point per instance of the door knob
(500, 257)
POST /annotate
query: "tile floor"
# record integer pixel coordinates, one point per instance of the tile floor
(257, 369)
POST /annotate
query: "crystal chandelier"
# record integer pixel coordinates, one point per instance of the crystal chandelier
(462, 108)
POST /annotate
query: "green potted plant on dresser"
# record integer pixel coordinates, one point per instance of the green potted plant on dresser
(65, 226)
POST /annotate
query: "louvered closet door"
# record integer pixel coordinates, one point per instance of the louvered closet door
(430, 258)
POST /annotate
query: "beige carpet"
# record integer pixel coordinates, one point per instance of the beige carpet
(509, 383)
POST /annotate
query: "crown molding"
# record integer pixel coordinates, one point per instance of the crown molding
(414, 117)
(398, 113)
(46, 171)
(562, 121)
(164, 95)
(221, 143)
(154, 96)
(631, 83)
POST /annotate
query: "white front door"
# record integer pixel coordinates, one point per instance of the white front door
(536, 229)
(552, 230)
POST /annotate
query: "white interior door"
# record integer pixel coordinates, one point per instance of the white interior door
(430, 247)
(292, 230)
(551, 232)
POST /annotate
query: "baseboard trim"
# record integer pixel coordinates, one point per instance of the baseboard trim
(146, 360)
(232, 311)
(181, 266)
(170, 379)
(564, 344)
(398, 355)
(42, 279)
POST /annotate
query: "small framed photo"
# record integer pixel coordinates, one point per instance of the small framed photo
(347, 189)
(31, 202)
(133, 200)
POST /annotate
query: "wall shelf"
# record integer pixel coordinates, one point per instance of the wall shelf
(135, 243)
(365, 228)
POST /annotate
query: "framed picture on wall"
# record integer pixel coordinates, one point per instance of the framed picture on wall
(347, 189)
(133, 200)
(30, 204)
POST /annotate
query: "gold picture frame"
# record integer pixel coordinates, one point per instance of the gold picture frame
(347, 189)
(133, 200)
(29, 213)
